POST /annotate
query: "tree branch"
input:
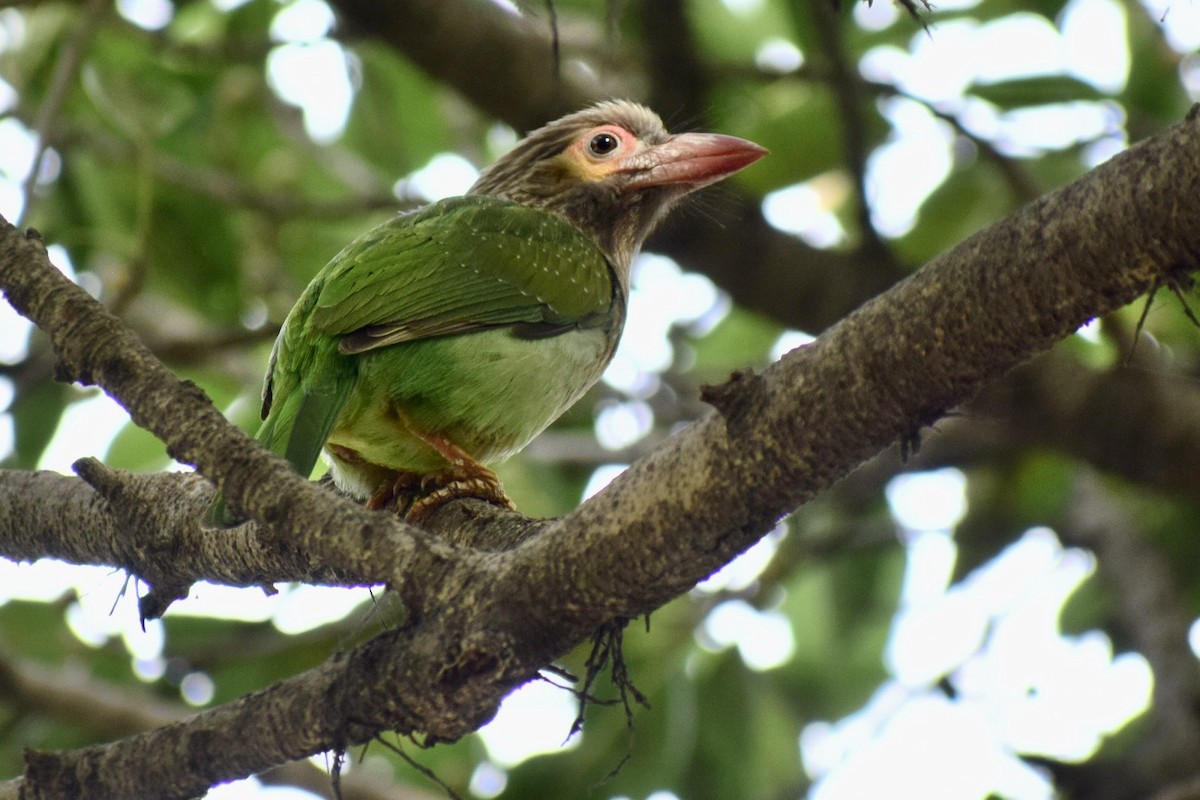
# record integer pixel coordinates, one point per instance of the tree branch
(114, 711)
(1151, 609)
(849, 94)
(708, 493)
(1139, 421)
(66, 71)
(501, 43)
(95, 348)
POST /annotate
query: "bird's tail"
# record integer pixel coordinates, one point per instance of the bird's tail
(296, 429)
(219, 514)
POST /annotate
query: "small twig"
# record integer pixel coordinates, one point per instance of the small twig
(421, 768)
(1023, 185)
(196, 349)
(1178, 281)
(131, 283)
(847, 86)
(232, 190)
(65, 71)
(1019, 180)
(606, 649)
(555, 44)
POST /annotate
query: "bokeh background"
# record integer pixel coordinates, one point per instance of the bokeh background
(1010, 613)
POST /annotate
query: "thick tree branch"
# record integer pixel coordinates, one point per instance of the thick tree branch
(147, 525)
(707, 494)
(30, 688)
(518, 48)
(95, 348)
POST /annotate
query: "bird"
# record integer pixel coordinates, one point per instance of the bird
(448, 337)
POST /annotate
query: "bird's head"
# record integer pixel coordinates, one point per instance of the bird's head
(614, 171)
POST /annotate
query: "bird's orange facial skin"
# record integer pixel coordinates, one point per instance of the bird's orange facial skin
(600, 152)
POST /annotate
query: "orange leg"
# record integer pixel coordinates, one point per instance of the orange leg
(465, 477)
(422, 493)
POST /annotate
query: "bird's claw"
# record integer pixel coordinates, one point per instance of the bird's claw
(417, 495)
(477, 487)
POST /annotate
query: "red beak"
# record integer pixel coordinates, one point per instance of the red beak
(694, 160)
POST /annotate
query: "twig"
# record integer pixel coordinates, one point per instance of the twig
(421, 768)
(847, 87)
(1019, 180)
(231, 190)
(1152, 611)
(65, 71)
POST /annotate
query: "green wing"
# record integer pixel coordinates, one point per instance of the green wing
(460, 265)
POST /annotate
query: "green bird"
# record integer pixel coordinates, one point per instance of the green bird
(450, 336)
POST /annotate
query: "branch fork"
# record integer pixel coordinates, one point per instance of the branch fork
(494, 596)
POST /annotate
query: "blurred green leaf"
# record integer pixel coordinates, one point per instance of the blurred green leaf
(396, 121)
(1149, 98)
(137, 450)
(741, 339)
(735, 35)
(1036, 91)
(135, 94)
(35, 414)
(967, 201)
(797, 121)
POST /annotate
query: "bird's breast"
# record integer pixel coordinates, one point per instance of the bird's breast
(489, 392)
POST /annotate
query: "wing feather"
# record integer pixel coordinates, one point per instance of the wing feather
(460, 265)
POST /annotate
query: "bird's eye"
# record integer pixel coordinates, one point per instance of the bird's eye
(603, 144)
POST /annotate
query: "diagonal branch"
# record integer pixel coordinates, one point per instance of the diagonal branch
(902, 361)
(1151, 608)
(66, 72)
(511, 74)
(776, 440)
(113, 711)
(850, 95)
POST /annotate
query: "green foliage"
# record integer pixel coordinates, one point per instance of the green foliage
(966, 202)
(396, 122)
(741, 339)
(778, 117)
(1036, 91)
(35, 415)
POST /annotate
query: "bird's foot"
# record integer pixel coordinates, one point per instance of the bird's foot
(397, 493)
(417, 495)
(457, 482)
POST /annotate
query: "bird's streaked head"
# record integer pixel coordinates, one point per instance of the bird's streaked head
(614, 171)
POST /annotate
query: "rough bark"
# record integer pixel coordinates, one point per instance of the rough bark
(484, 619)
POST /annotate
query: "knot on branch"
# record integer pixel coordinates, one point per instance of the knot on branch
(737, 399)
(49, 774)
(479, 656)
